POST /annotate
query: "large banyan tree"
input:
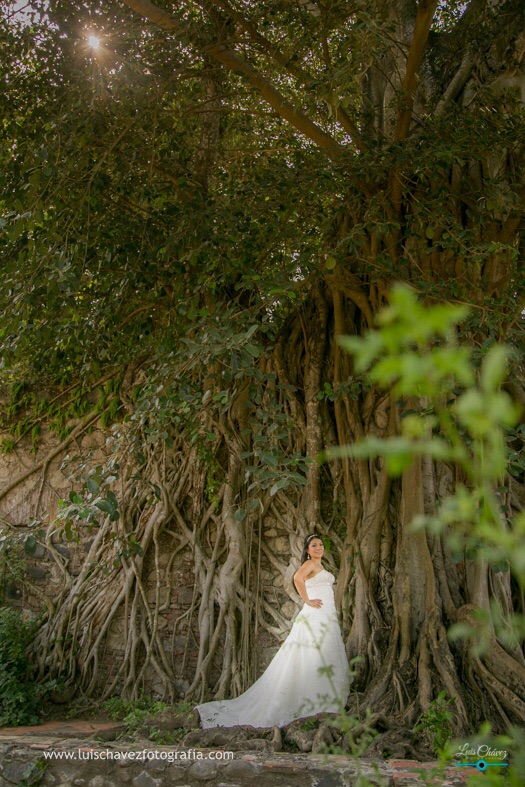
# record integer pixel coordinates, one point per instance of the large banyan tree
(198, 198)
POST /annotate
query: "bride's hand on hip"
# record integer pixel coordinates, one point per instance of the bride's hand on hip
(315, 602)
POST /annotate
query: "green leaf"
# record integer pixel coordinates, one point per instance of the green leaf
(494, 368)
(398, 463)
(104, 505)
(281, 484)
(112, 499)
(268, 458)
(93, 486)
(30, 545)
(253, 350)
(365, 350)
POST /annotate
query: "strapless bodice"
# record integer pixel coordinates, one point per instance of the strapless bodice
(323, 577)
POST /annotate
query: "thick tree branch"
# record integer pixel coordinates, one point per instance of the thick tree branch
(233, 62)
(79, 428)
(456, 85)
(292, 68)
(425, 14)
(272, 96)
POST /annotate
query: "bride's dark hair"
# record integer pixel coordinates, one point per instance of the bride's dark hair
(305, 556)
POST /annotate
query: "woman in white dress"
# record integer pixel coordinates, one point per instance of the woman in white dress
(309, 673)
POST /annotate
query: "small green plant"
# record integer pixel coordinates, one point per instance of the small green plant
(7, 445)
(357, 733)
(308, 724)
(20, 697)
(435, 724)
(34, 773)
(13, 564)
(184, 707)
(82, 708)
(164, 738)
(133, 713)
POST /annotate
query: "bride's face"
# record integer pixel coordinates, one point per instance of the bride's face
(316, 549)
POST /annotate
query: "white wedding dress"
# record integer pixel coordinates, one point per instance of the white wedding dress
(309, 673)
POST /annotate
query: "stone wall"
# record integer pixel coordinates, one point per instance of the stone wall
(32, 505)
(88, 764)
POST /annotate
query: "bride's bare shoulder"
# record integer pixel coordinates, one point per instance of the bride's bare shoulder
(304, 572)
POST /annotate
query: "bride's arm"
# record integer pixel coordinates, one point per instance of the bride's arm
(299, 579)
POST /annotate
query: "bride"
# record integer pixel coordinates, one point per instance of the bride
(309, 673)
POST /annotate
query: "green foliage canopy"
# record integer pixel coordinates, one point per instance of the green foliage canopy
(148, 182)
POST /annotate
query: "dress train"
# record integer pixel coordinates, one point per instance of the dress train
(308, 674)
